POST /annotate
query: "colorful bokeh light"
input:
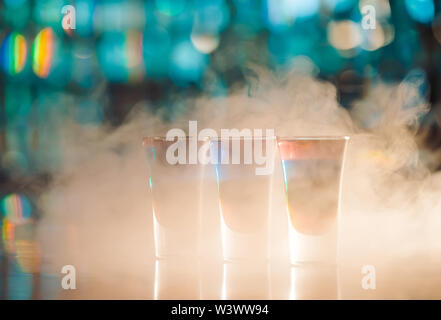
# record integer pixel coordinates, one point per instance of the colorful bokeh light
(8, 235)
(134, 52)
(16, 208)
(42, 52)
(120, 56)
(13, 53)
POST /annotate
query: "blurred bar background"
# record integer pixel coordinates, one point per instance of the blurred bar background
(123, 52)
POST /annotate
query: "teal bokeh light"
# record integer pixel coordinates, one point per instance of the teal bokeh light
(16, 13)
(112, 57)
(85, 10)
(156, 51)
(340, 6)
(211, 16)
(421, 11)
(280, 15)
(187, 63)
(170, 7)
(47, 13)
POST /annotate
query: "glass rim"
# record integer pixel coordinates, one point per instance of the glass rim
(312, 138)
(244, 138)
(147, 140)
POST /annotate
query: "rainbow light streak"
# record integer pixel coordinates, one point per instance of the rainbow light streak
(13, 53)
(8, 235)
(134, 49)
(42, 52)
(284, 175)
(285, 179)
(16, 208)
(8, 230)
(215, 154)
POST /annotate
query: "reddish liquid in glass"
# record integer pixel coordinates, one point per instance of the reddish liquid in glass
(312, 177)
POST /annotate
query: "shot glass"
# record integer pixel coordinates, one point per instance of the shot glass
(312, 169)
(174, 179)
(244, 168)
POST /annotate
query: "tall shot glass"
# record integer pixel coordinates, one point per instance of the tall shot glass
(312, 169)
(175, 189)
(244, 168)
